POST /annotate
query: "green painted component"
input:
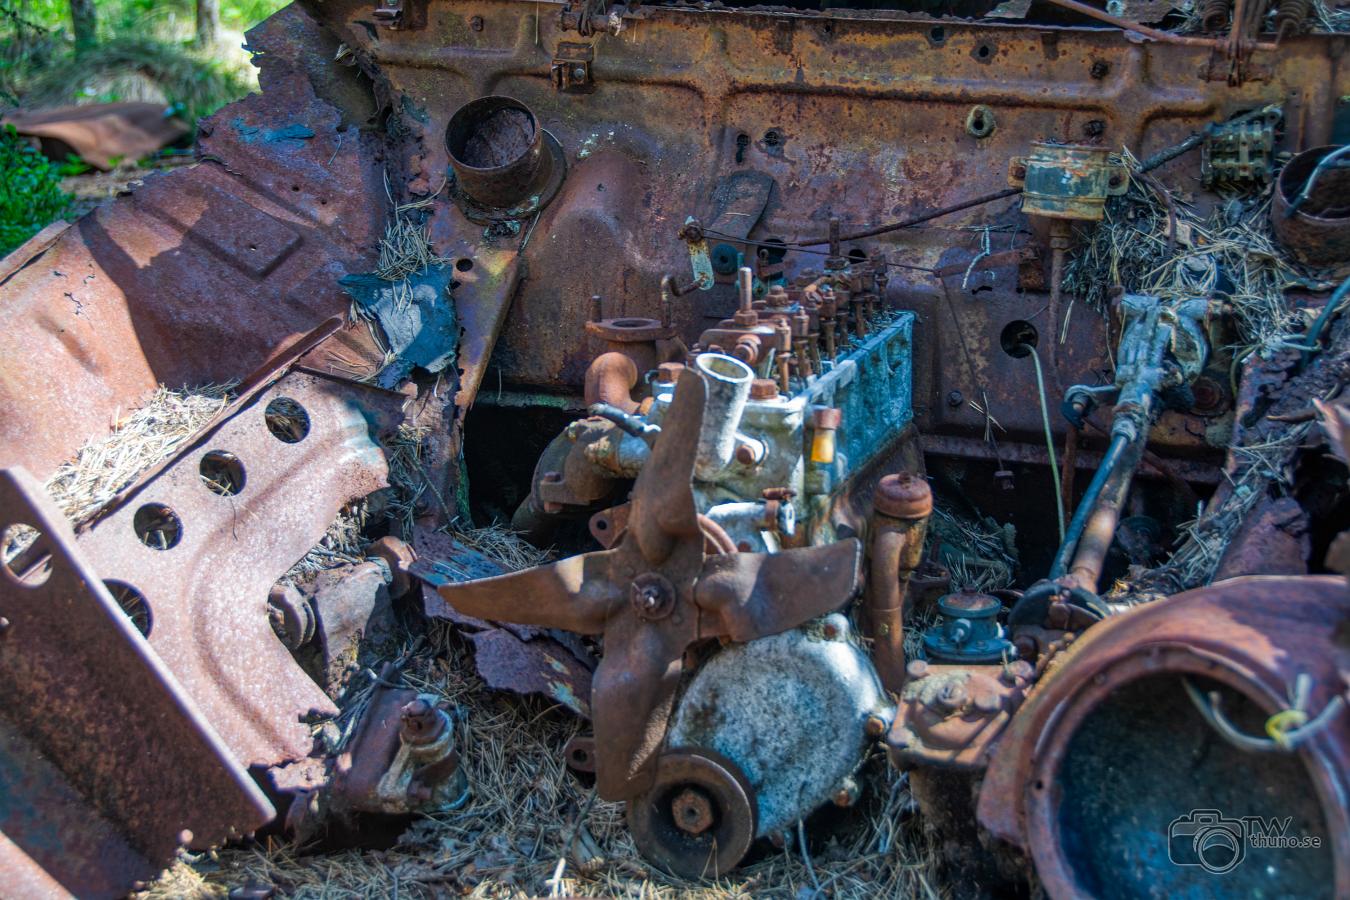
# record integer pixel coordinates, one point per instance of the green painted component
(1066, 181)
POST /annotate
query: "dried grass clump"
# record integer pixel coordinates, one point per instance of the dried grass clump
(503, 546)
(150, 435)
(979, 554)
(532, 829)
(1153, 242)
(343, 544)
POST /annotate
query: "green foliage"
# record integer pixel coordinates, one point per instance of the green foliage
(145, 52)
(30, 191)
(135, 67)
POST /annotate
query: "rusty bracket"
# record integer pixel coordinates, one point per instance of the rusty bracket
(402, 15)
(571, 70)
(107, 765)
(200, 556)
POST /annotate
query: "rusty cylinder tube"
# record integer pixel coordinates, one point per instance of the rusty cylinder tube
(900, 511)
(1090, 553)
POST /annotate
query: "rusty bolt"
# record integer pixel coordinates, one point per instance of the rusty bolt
(578, 73)
(916, 669)
(1094, 128)
(1019, 172)
(1019, 670)
(476, 23)
(745, 455)
(691, 232)
(652, 596)
(846, 794)
(692, 811)
(1209, 396)
(903, 495)
(1099, 69)
(875, 726)
(669, 372)
(420, 722)
(763, 389)
(827, 418)
(955, 399)
(952, 697)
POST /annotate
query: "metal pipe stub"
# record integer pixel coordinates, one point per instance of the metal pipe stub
(505, 165)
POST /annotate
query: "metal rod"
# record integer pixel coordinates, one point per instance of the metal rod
(1164, 36)
(1090, 553)
(1114, 451)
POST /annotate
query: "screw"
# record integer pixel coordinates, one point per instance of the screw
(578, 73)
(875, 726)
(476, 23)
(955, 399)
(1019, 172)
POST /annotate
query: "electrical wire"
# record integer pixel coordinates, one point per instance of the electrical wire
(1049, 440)
(883, 229)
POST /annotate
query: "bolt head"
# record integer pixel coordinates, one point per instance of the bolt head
(476, 23)
(955, 399)
(763, 389)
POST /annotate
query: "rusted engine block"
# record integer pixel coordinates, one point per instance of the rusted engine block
(630, 203)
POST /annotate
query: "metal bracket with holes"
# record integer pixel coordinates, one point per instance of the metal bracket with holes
(571, 70)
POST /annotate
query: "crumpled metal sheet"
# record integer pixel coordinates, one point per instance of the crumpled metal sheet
(207, 594)
(101, 133)
(197, 276)
(107, 765)
(416, 315)
(509, 657)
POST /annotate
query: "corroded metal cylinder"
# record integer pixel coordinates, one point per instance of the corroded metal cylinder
(1153, 730)
(728, 390)
(1318, 232)
(497, 152)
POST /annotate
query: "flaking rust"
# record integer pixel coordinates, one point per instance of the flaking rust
(860, 380)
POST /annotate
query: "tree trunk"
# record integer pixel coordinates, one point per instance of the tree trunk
(84, 20)
(208, 22)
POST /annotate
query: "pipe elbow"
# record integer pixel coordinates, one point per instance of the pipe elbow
(610, 379)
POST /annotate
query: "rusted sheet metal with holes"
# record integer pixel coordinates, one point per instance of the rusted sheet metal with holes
(204, 559)
(107, 765)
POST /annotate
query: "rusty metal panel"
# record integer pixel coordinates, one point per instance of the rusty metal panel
(827, 105)
(108, 763)
(207, 590)
(197, 276)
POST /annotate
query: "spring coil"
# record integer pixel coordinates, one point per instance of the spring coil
(1214, 14)
(1290, 16)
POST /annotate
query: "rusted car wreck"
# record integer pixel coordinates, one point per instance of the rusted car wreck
(741, 311)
